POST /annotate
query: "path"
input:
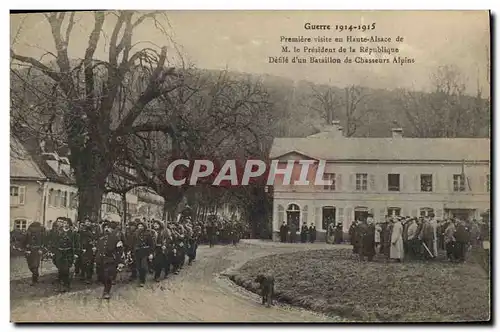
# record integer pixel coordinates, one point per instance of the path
(198, 294)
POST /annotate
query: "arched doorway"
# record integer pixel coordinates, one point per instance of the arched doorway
(293, 216)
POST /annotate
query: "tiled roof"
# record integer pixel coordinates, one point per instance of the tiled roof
(389, 149)
(22, 166)
(32, 148)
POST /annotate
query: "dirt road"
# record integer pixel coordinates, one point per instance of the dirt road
(198, 294)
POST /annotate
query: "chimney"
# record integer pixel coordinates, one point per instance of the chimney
(336, 129)
(397, 132)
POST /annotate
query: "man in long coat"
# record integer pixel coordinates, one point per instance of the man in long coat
(312, 233)
(366, 234)
(304, 230)
(89, 235)
(397, 250)
(160, 253)
(427, 235)
(283, 232)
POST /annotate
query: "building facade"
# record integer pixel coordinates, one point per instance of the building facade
(383, 176)
(42, 188)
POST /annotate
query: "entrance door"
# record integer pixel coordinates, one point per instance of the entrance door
(462, 214)
(328, 216)
(293, 216)
(361, 213)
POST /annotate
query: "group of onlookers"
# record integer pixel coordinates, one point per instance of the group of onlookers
(416, 238)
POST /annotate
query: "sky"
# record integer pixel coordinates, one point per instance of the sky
(244, 40)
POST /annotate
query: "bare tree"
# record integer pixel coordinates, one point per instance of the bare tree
(96, 101)
(326, 102)
(447, 111)
(354, 97)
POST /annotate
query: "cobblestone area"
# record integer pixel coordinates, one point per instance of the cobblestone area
(200, 293)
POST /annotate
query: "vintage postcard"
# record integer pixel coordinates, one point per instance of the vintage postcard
(250, 166)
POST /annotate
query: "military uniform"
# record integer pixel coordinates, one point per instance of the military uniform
(65, 249)
(109, 256)
(89, 235)
(129, 248)
(33, 246)
(160, 260)
(143, 247)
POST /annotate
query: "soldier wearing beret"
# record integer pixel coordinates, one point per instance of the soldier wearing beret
(109, 256)
(65, 246)
(33, 246)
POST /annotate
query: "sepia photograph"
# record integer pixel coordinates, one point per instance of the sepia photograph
(238, 166)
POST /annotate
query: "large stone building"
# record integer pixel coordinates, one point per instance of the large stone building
(383, 176)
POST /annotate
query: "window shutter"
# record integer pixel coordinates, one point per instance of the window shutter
(435, 183)
(341, 215)
(348, 215)
(483, 184)
(439, 214)
(402, 184)
(317, 216)
(304, 215)
(22, 195)
(338, 184)
(417, 183)
(352, 182)
(372, 182)
(382, 183)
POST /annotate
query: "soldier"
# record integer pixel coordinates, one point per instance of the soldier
(89, 235)
(211, 231)
(178, 249)
(129, 248)
(190, 242)
(143, 247)
(65, 251)
(109, 256)
(197, 231)
(160, 252)
(33, 247)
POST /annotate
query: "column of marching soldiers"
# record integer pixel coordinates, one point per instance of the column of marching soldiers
(105, 248)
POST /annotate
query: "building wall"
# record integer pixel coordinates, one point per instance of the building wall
(377, 198)
(57, 206)
(31, 208)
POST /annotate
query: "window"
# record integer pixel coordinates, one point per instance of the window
(21, 224)
(487, 182)
(393, 211)
(73, 201)
(64, 199)
(361, 181)
(52, 197)
(329, 177)
(425, 212)
(281, 214)
(393, 182)
(17, 195)
(57, 199)
(426, 182)
(458, 182)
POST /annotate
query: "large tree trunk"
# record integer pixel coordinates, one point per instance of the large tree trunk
(124, 208)
(89, 200)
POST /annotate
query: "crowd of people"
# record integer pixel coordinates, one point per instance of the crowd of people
(288, 233)
(104, 248)
(416, 238)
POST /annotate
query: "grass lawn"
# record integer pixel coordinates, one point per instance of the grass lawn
(335, 282)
